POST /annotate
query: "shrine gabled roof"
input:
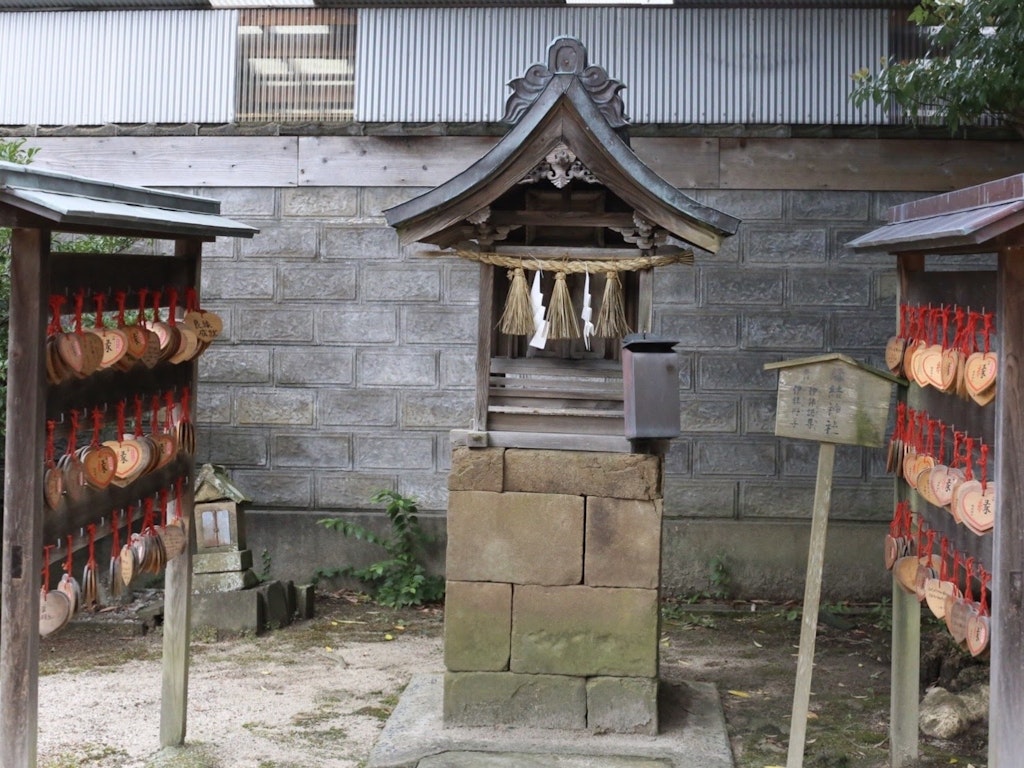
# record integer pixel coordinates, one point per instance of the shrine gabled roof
(30, 197)
(572, 106)
(964, 220)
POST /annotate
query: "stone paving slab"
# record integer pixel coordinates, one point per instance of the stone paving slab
(692, 734)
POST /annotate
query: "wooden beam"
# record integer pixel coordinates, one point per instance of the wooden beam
(485, 342)
(904, 693)
(175, 161)
(178, 584)
(859, 164)
(1006, 699)
(23, 492)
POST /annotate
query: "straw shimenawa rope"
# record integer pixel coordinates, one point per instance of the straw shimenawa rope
(576, 266)
(517, 319)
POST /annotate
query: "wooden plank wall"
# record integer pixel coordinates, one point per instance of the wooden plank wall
(404, 161)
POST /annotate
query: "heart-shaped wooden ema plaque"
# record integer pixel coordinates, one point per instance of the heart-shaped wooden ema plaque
(100, 466)
(951, 362)
(207, 325)
(931, 365)
(908, 358)
(92, 353)
(152, 353)
(917, 365)
(905, 572)
(978, 633)
(978, 507)
(980, 371)
(958, 615)
(128, 564)
(69, 347)
(69, 586)
(943, 481)
(909, 465)
(115, 345)
(936, 592)
(894, 350)
(54, 611)
(924, 485)
(188, 346)
(53, 488)
(132, 459)
(174, 539)
(985, 397)
(956, 506)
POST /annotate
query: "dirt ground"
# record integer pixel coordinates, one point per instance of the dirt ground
(317, 693)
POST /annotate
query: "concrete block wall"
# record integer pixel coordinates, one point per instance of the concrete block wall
(350, 358)
(347, 359)
(551, 612)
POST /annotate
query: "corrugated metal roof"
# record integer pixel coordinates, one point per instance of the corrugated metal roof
(960, 228)
(699, 65)
(117, 67)
(72, 201)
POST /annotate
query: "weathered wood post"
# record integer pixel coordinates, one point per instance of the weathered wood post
(834, 400)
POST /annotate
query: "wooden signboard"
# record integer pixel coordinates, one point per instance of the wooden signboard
(832, 399)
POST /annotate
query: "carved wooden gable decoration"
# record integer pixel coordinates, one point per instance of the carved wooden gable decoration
(563, 177)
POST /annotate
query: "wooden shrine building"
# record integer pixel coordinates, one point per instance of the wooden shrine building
(554, 517)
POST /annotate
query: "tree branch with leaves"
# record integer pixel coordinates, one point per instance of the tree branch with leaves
(973, 67)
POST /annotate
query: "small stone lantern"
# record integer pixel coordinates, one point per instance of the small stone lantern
(222, 563)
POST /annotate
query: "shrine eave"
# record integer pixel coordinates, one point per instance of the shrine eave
(563, 114)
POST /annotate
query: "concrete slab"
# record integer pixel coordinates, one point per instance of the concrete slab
(692, 733)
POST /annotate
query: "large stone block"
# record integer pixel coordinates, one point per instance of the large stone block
(236, 366)
(401, 283)
(229, 282)
(585, 631)
(313, 450)
(477, 626)
(373, 452)
(221, 562)
(282, 241)
(753, 456)
(438, 326)
(358, 408)
(449, 410)
(275, 325)
(622, 705)
(617, 475)
(235, 612)
(313, 365)
(700, 330)
(396, 369)
(337, 283)
(324, 202)
(504, 698)
(623, 543)
(784, 330)
(522, 538)
(785, 245)
(477, 469)
(360, 243)
(743, 286)
(357, 326)
(833, 287)
(287, 406)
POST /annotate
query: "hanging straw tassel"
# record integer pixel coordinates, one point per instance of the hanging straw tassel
(562, 323)
(611, 320)
(517, 319)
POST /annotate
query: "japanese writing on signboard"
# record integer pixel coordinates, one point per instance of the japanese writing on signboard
(832, 402)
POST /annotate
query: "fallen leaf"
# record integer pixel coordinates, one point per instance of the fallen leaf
(740, 694)
(328, 649)
(758, 644)
(389, 637)
(811, 716)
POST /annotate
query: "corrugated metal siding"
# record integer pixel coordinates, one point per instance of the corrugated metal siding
(117, 67)
(296, 64)
(680, 65)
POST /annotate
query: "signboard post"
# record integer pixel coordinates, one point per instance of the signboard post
(835, 400)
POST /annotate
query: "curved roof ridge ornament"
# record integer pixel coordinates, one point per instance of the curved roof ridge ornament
(567, 56)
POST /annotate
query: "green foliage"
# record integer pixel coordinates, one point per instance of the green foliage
(973, 67)
(399, 579)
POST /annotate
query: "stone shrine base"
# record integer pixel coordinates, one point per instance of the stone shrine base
(692, 733)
